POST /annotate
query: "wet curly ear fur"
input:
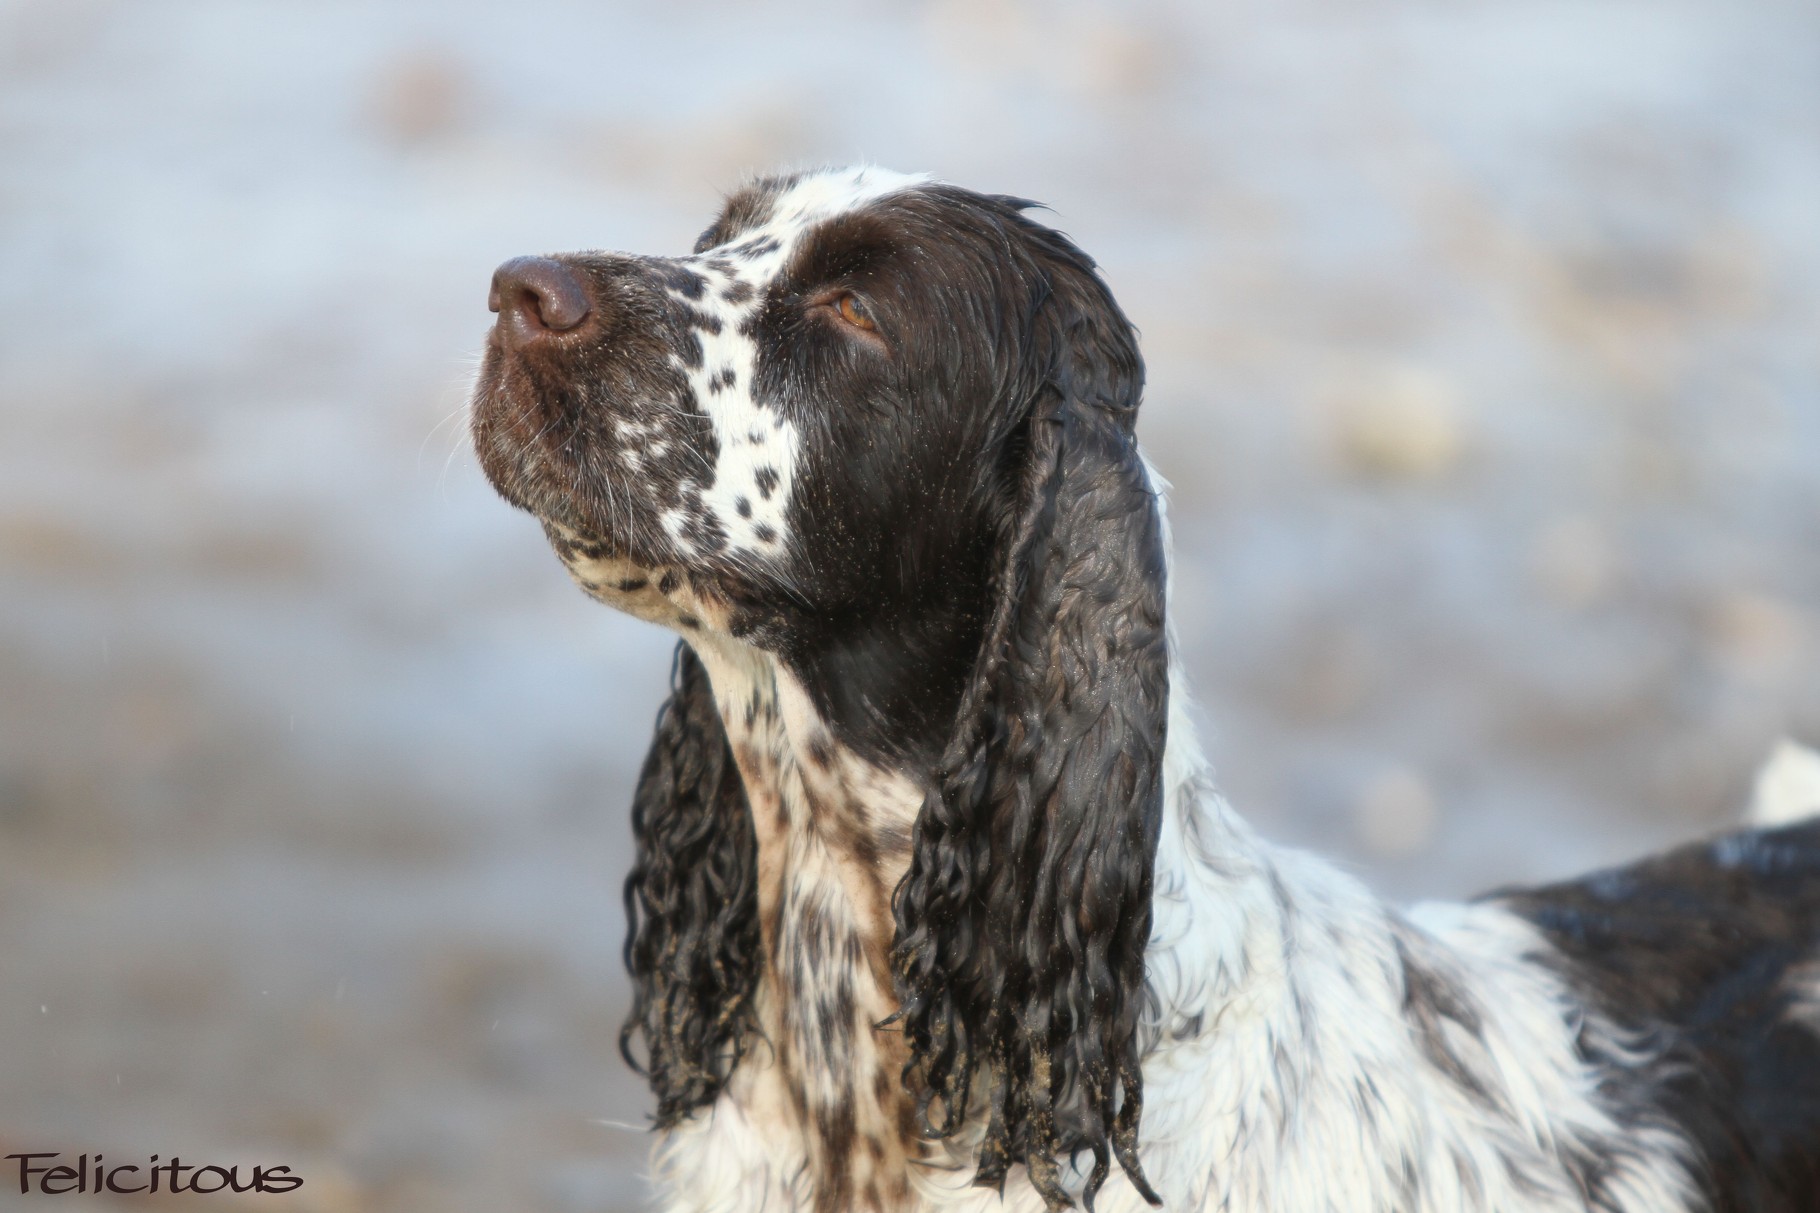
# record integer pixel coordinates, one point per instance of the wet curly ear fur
(1022, 923)
(691, 903)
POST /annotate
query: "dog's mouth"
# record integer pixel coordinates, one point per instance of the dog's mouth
(512, 428)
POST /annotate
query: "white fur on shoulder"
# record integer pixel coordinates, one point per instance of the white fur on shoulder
(1788, 787)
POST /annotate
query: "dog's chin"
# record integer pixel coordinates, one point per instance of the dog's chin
(507, 450)
(527, 464)
(541, 482)
(510, 429)
(662, 592)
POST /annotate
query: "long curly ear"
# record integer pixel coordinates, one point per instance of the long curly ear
(1022, 923)
(691, 903)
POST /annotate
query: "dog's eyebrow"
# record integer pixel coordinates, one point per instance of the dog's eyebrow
(839, 250)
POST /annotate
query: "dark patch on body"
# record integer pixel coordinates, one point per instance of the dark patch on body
(1432, 1001)
(1693, 950)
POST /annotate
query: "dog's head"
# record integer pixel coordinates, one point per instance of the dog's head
(882, 429)
(678, 410)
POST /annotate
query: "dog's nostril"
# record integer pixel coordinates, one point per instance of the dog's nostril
(536, 296)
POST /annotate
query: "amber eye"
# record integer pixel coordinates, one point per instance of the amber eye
(854, 313)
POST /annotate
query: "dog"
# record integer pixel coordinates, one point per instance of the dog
(935, 905)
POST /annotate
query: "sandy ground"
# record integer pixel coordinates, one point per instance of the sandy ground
(1483, 356)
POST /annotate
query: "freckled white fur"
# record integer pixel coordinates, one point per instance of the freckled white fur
(750, 1151)
(751, 435)
(1282, 1071)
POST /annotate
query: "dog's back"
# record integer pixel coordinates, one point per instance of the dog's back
(1710, 955)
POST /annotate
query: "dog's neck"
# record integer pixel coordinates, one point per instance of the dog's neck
(833, 834)
(814, 802)
(833, 837)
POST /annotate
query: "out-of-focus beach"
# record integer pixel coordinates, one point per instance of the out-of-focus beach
(1484, 349)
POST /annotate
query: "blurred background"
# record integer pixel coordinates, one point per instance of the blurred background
(1484, 341)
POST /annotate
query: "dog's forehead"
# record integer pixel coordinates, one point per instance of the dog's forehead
(738, 506)
(784, 209)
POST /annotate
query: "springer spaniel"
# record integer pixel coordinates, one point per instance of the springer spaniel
(935, 904)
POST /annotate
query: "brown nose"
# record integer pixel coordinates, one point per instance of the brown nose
(536, 297)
